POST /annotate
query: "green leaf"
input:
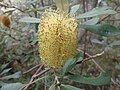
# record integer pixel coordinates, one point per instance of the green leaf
(69, 87)
(117, 67)
(103, 79)
(79, 56)
(62, 5)
(15, 75)
(97, 41)
(29, 20)
(97, 11)
(101, 29)
(115, 43)
(5, 71)
(71, 63)
(35, 39)
(3, 66)
(92, 21)
(52, 87)
(74, 9)
(2, 83)
(68, 66)
(13, 86)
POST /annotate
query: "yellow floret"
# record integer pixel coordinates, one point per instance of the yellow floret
(57, 38)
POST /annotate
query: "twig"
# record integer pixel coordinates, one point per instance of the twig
(42, 3)
(107, 15)
(112, 20)
(31, 69)
(98, 65)
(92, 58)
(38, 79)
(56, 79)
(13, 37)
(94, 3)
(7, 6)
(115, 82)
(38, 70)
(36, 74)
(104, 18)
(105, 71)
(34, 81)
(45, 87)
(26, 87)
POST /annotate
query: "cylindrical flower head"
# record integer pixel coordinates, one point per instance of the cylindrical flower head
(57, 38)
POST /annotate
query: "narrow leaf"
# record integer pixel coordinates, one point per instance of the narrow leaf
(3, 66)
(5, 71)
(52, 87)
(69, 87)
(97, 11)
(71, 63)
(2, 83)
(29, 20)
(15, 75)
(91, 21)
(74, 9)
(68, 66)
(103, 79)
(79, 56)
(13, 86)
(101, 29)
(115, 43)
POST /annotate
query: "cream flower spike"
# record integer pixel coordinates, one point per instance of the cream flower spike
(57, 38)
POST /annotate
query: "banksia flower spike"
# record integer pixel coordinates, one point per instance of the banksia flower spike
(57, 38)
(5, 21)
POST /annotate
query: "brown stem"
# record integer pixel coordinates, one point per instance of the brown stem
(56, 79)
(42, 3)
(94, 3)
(112, 20)
(38, 70)
(90, 57)
(39, 74)
(31, 69)
(7, 6)
(36, 74)
(108, 15)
